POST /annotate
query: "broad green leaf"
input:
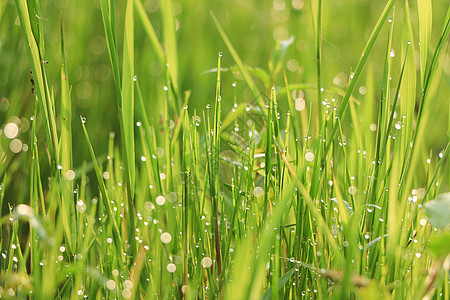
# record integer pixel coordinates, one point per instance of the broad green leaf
(438, 211)
(440, 245)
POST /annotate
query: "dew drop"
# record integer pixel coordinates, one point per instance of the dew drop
(11, 130)
(206, 262)
(258, 192)
(166, 237)
(160, 200)
(110, 284)
(352, 190)
(309, 156)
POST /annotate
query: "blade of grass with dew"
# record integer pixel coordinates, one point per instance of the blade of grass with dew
(150, 140)
(383, 114)
(126, 111)
(170, 42)
(103, 190)
(65, 153)
(180, 123)
(268, 154)
(215, 168)
(38, 72)
(355, 76)
(423, 114)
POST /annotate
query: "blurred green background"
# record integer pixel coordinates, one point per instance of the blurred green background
(252, 26)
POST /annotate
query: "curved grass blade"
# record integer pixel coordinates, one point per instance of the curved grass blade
(367, 49)
(248, 79)
(150, 31)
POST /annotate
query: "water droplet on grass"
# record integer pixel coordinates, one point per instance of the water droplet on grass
(184, 289)
(172, 197)
(15, 145)
(300, 104)
(166, 237)
(110, 284)
(11, 130)
(160, 200)
(81, 206)
(258, 192)
(206, 262)
(70, 175)
(171, 268)
(352, 190)
(24, 210)
(127, 284)
(309, 156)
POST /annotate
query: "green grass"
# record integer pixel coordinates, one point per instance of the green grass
(313, 164)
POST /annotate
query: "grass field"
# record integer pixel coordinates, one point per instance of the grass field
(224, 150)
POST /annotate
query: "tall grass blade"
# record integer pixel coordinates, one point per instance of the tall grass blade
(354, 77)
(248, 79)
(65, 153)
(425, 21)
(170, 42)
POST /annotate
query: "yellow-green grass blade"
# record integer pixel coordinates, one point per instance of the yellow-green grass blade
(127, 107)
(170, 42)
(65, 153)
(383, 114)
(408, 87)
(103, 190)
(424, 9)
(126, 111)
(150, 140)
(317, 12)
(362, 61)
(41, 88)
(432, 79)
(34, 14)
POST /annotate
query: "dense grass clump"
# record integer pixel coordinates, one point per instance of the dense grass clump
(323, 175)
